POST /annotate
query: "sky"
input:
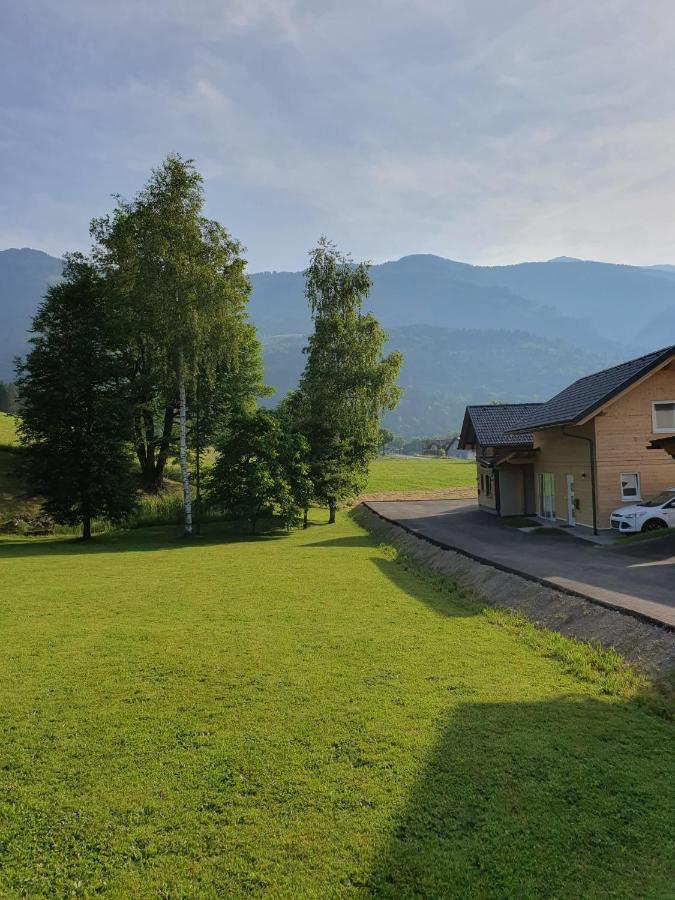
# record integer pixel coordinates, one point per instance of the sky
(488, 131)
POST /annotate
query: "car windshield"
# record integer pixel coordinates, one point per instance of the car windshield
(660, 500)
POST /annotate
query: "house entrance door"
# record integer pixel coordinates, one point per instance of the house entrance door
(546, 495)
(571, 521)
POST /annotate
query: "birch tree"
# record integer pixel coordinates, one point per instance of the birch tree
(180, 279)
(348, 382)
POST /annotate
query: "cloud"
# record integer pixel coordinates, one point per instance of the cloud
(490, 131)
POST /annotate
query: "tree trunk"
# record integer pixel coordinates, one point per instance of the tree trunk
(86, 528)
(331, 512)
(164, 445)
(182, 459)
(153, 464)
(198, 481)
(305, 523)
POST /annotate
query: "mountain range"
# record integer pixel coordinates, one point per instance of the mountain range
(468, 333)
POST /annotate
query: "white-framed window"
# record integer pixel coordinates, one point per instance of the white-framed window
(630, 485)
(663, 416)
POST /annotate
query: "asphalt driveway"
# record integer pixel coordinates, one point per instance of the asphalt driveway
(639, 577)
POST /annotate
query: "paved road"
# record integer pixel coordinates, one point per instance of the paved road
(639, 577)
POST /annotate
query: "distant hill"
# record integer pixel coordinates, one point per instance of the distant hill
(445, 369)
(24, 276)
(469, 333)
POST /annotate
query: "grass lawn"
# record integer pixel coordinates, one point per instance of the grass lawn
(401, 473)
(15, 499)
(302, 716)
(7, 430)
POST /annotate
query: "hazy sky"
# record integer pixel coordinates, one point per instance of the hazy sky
(489, 131)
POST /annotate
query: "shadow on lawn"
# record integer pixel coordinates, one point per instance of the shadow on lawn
(566, 798)
(423, 586)
(152, 538)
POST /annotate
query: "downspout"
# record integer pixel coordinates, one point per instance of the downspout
(591, 448)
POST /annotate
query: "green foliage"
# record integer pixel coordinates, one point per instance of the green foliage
(384, 438)
(305, 717)
(75, 418)
(8, 398)
(181, 275)
(180, 296)
(259, 471)
(347, 383)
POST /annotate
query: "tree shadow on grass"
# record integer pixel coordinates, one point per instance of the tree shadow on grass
(347, 543)
(571, 797)
(148, 539)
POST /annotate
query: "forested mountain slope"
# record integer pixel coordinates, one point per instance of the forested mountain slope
(468, 333)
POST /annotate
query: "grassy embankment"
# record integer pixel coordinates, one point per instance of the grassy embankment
(303, 716)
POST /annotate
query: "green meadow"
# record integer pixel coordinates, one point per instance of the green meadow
(304, 715)
(415, 473)
(7, 430)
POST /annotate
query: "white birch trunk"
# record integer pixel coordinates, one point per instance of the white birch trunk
(182, 459)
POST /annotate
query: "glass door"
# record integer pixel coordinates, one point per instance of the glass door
(546, 495)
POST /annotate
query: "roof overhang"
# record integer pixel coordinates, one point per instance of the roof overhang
(467, 436)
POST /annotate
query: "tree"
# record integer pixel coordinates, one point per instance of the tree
(254, 467)
(385, 437)
(293, 416)
(347, 382)
(180, 281)
(232, 391)
(75, 407)
(7, 398)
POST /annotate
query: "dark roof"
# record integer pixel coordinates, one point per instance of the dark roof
(588, 394)
(492, 424)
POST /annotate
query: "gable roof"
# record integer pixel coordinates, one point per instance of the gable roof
(588, 394)
(491, 425)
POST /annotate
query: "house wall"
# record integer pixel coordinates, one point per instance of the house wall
(485, 501)
(623, 432)
(511, 491)
(561, 455)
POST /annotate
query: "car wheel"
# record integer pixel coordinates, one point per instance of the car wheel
(653, 525)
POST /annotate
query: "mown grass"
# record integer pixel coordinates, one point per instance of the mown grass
(8, 435)
(305, 716)
(412, 473)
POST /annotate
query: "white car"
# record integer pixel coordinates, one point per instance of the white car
(648, 515)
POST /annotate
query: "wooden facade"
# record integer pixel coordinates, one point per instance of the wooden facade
(577, 473)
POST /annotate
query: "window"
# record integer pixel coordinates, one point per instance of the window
(630, 486)
(488, 485)
(663, 416)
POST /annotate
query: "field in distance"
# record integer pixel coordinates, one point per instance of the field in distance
(7, 430)
(415, 473)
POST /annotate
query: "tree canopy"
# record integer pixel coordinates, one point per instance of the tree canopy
(75, 418)
(347, 382)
